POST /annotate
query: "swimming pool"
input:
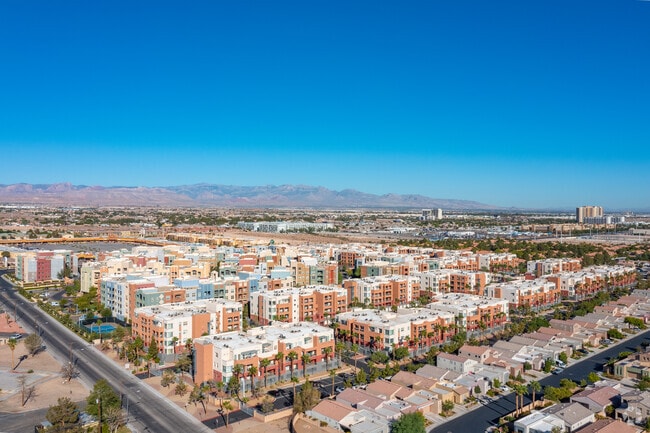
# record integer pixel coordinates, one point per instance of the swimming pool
(104, 328)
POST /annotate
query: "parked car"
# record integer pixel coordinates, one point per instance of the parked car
(16, 336)
(339, 389)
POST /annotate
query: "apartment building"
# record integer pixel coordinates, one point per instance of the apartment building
(217, 355)
(472, 313)
(552, 266)
(172, 324)
(381, 329)
(33, 267)
(495, 262)
(308, 271)
(313, 303)
(383, 291)
(536, 294)
(471, 283)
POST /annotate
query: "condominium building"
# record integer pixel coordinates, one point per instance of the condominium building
(217, 355)
(33, 267)
(536, 294)
(553, 266)
(383, 291)
(381, 329)
(172, 324)
(472, 313)
(308, 271)
(313, 303)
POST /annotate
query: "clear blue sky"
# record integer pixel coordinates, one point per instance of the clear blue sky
(512, 103)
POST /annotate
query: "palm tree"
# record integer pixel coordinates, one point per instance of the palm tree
(306, 359)
(535, 387)
(238, 370)
(12, 345)
(252, 372)
(264, 364)
(355, 349)
(338, 348)
(174, 341)
(520, 390)
(294, 380)
(327, 352)
(292, 356)
(333, 376)
(279, 359)
(227, 407)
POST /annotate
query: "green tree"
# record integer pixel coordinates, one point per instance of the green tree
(152, 354)
(447, 406)
(198, 396)
(227, 408)
(264, 364)
(563, 357)
(401, 353)
(233, 385)
(305, 359)
(535, 387)
(307, 398)
(292, 356)
(64, 414)
(592, 377)
(181, 387)
(252, 372)
(168, 377)
(409, 423)
(361, 377)
(102, 396)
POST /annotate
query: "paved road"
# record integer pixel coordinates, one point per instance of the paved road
(148, 411)
(480, 419)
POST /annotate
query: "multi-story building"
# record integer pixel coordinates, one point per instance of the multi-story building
(33, 267)
(583, 212)
(472, 313)
(471, 283)
(553, 266)
(495, 262)
(382, 329)
(308, 271)
(172, 324)
(217, 355)
(536, 294)
(383, 291)
(314, 303)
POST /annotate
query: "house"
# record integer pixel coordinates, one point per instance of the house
(538, 422)
(437, 373)
(384, 389)
(635, 407)
(477, 353)
(597, 399)
(609, 425)
(412, 380)
(459, 364)
(334, 413)
(574, 415)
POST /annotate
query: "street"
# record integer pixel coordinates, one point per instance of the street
(488, 415)
(147, 410)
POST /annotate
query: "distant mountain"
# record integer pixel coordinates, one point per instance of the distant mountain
(201, 195)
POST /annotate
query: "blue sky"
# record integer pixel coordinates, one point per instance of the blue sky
(512, 103)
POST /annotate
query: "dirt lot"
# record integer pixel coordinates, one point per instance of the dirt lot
(45, 377)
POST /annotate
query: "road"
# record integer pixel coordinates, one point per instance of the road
(480, 419)
(147, 410)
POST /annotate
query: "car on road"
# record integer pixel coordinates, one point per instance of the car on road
(16, 336)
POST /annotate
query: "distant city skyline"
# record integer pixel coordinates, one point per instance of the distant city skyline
(509, 103)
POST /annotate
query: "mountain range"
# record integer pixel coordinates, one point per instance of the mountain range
(209, 195)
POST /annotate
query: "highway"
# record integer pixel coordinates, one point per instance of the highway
(147, 410)
(488, 415)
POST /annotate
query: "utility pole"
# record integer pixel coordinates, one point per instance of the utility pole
(99, 408)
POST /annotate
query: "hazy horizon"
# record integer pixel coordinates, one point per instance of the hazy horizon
(534, 105)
